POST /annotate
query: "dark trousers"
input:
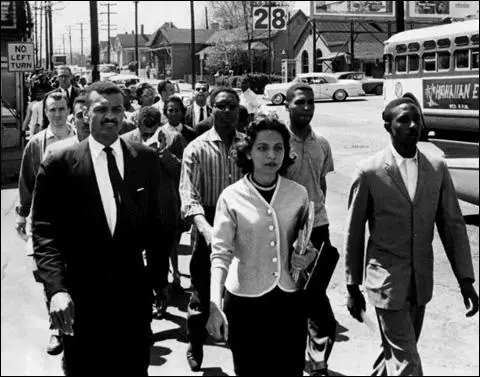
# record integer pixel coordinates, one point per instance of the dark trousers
(158, 264)
(267, 334)
(199, 305)
(321, 321)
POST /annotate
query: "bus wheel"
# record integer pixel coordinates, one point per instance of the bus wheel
(340, 95)
(278, 99)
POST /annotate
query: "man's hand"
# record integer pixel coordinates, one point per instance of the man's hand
(470, 298)
(217, 325)
(301, 262)
(207, 233)
(355, 302)
(62, 312)
(21, 227)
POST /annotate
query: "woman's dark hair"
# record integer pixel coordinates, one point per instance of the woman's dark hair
(266, 123)
(140, 89)
(178, 101)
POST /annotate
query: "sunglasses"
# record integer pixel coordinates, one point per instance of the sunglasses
(205, 90)
(223, 106)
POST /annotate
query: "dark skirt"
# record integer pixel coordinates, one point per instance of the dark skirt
(267, 334)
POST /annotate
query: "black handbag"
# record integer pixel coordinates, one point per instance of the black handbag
(323, 268)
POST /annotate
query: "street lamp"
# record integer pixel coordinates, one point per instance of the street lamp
(136, 38)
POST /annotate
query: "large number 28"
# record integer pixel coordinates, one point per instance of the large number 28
(278, 18)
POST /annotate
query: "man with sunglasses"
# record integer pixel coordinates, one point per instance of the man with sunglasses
(208, 167)
(199, 110)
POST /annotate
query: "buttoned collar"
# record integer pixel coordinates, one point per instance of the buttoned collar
(179, 128)
(50, 134)
(213, 135)
(96, 148)
(197, 108)
(400, 159)
(310, 135)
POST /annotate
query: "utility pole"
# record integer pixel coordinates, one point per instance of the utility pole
(270, 39)
(192, 16)
(108, 13)
(400, 15)
(136, 38)
(82, 62)
(36, 34)
(63, 40)
(70, 38)
(94, 40)
(50, 33)
(314, 36)
(206, 18)
(47, 51)
(352, 45)
(41, 35)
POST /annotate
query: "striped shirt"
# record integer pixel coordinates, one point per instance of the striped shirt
(208, 167)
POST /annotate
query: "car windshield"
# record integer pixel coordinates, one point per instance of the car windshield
(358, 76)
(107, 68)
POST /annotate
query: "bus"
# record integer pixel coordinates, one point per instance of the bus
(59, 59)
(438, 68)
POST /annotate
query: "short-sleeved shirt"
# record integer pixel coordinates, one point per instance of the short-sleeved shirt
(313, 162)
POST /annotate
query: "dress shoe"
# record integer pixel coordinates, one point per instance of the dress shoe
(320, 372)
(194, 357)
(55, 345)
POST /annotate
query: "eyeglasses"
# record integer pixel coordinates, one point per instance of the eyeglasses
(224, 106)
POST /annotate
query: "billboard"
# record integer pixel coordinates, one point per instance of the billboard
(9, 15)
(440, 9)
(370, 10)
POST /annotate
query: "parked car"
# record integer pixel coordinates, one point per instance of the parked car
(324, 85)
(107, 71)
(369, 84)
(124, 80)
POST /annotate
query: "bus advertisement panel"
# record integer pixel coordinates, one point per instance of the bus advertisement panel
(451, 94)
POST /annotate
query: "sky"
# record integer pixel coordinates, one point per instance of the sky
(153, 14)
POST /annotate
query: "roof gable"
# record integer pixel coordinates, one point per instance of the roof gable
(172, 35)
(128, 40)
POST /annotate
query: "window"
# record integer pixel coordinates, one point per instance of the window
(475, 58)
(387, 59)
(413, 63)
(305, 62)
(461, 59)
(429, 62)
(319, 67)
(444, 60)
(401, 64)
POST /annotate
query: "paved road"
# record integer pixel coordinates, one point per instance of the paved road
(449, 343)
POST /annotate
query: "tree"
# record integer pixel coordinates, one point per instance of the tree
(223, 54)
(238, 14)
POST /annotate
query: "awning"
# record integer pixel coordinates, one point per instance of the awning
(257, 46)
(333, 56)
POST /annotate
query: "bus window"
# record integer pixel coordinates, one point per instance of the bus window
(401, 64)
(388, 64)
(475, 58)
(443, 60)
(413, 63)
(429, 62)
(461, 59)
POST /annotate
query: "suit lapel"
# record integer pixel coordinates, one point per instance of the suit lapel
(394, 172)
(83, 168)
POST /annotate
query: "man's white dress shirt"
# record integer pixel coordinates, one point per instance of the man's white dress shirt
(409, 171)
(100, 166)
(196, 112)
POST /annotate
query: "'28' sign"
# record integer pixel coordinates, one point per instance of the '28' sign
(261, 18)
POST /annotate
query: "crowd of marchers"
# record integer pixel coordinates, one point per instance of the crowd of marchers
(108, 185)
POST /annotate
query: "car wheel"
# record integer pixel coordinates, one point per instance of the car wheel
(379, 90)
(340, 95)
(278, 99)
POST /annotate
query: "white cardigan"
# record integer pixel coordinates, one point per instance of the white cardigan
(253, 240)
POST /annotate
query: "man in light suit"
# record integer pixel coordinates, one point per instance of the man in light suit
(97, 206)
(402, 194)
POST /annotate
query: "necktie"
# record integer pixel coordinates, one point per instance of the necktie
(115, 177)
(202, 115)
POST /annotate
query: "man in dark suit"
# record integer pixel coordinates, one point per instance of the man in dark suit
(97, 206)
(241, 125)
(65, 86)
(198, 111)
(403, 193)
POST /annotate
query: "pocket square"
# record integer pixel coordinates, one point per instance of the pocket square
(141, 189)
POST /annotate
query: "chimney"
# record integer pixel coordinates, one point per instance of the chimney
(141, 30)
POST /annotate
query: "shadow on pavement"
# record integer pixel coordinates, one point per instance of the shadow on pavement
(179, 333)
(214, 372)
(472, 219)
(157, 353)
(340, 337)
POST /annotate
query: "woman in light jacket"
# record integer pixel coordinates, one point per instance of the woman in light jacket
(256, 223)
